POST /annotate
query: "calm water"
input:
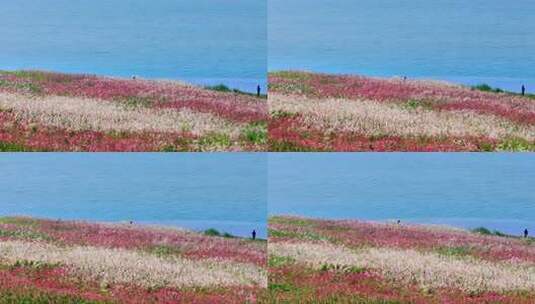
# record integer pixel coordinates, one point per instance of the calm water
(466, 190)
(204, 41)
(474, 41)
(226, 191)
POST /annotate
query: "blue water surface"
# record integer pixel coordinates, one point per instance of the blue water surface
(476, 41)
(201, 41)
(226, 191)
(467, 190)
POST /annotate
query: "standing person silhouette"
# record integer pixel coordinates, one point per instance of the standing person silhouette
(526, 233)
(254, 234)
(523, 90)
(258, 91)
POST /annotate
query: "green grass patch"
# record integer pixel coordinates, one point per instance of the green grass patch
(26, 86)
(279, 261)
(256, 133)
(215, 140)
(482, 230)
(212, 232)
(486, 147)
(30, 88)
(486, 88)
(282, 234)
(136, 101)
(24, 235)
(181, 144)
(291, 75)
(342, 268)
(293, 82)
(12, 147)
(414, 104)
(31, 75)
(454, 251)
(118, 134)
(353, 299)
(282, 114)
(169, 148)
(281, 287)
(34, 265)
(485, 231)
(11, 297)
(516, 145)
(215, 232)
(20, 221)
(225, 89)
(165, 251)
(291, 221)
(219, 88)
(287, 146)
(294, 235)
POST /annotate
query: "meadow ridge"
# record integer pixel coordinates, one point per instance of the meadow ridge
(346, 261)
(45, 111)
(44, 261)
(322, 112)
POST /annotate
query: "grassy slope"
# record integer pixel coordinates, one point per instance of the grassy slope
(132, 95)
(293, 278)
(293, 129)
(34, 281)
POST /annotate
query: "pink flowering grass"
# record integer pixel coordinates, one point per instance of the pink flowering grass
(134, 115)
(433, 94)
(51, 284)
(237, 107)
(292, 277)
(23, 278)
(49, 280)
(43, 138)
(290, 134)
(406, 236)
(294, 283)
(322, 112)
(165, 241)
(29, 136)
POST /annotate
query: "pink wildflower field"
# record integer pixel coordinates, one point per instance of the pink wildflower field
(348, 261)
(45, 111)
(48, 261)
(321, 112)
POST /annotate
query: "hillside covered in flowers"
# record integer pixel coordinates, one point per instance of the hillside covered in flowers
(44, 111)
(346, 261)
(322, 112)
(49, 261)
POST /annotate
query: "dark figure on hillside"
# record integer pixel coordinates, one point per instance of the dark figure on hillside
(399, 222)
(258, 91)
(254, 234)
(131, 222)
(523, 90)
(525, 233)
